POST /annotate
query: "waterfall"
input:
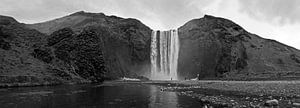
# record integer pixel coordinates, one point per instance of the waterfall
(164, 55)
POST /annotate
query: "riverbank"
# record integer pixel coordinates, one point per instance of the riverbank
(237, 93)
(32, 81)
(216, 93)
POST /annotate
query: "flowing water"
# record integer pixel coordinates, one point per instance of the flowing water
(115, 95)
(164, 55)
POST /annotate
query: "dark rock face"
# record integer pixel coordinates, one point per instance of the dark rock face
(218, 48)
(3, 43)
(295, 57)
(42, 55)
(127, 49)
(83, 53)
(59, 35)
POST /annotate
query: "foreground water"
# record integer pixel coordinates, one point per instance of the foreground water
(114, 95)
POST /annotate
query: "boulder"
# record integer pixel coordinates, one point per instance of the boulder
(273, 102)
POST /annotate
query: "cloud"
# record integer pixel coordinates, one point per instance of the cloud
(158, 14)
(171, 13)
(37, 10)
(161, 14)
(273, 11)
(287, 33)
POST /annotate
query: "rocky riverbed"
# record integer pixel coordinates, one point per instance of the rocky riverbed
(253, 94)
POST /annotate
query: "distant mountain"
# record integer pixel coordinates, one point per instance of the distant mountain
(92, 47)
(216, 47)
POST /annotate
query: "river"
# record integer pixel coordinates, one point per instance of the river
(113, 95)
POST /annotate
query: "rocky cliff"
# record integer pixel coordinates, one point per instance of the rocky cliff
(218, 48)
(92, 47)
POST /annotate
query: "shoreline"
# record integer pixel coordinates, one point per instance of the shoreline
(219, 93)
(238, 93)
(161, 82)
(214, 93)
(30, 84)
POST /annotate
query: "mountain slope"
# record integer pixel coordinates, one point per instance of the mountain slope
(125, 42)
(92, 47)
(22, 63)
(89, 51)
(216, 47)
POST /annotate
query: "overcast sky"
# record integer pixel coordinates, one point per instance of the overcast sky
(274, 19)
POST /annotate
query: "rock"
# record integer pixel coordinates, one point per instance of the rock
(4, 45)
(59, 35)
(296, 104)
(273, 102)
(43, 55)
(143, 78)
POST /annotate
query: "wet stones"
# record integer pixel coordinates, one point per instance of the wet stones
(257, 97)
(273, 102)
(296, 104)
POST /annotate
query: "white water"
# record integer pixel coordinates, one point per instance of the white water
(164, 55)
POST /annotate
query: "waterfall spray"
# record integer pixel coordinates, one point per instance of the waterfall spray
(164, 55)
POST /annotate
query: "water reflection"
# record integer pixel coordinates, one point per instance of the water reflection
(161, 99)
(93, 96)
(123, 95)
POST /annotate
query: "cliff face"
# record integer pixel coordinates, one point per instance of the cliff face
(91, 47)
(218, 48)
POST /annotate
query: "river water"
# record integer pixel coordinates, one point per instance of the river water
(114, 95)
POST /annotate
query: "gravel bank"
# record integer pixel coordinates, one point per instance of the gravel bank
(237, 93)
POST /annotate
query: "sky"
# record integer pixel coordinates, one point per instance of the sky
(272, 19)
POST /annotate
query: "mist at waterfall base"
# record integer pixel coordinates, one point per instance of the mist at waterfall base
(164, 55)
